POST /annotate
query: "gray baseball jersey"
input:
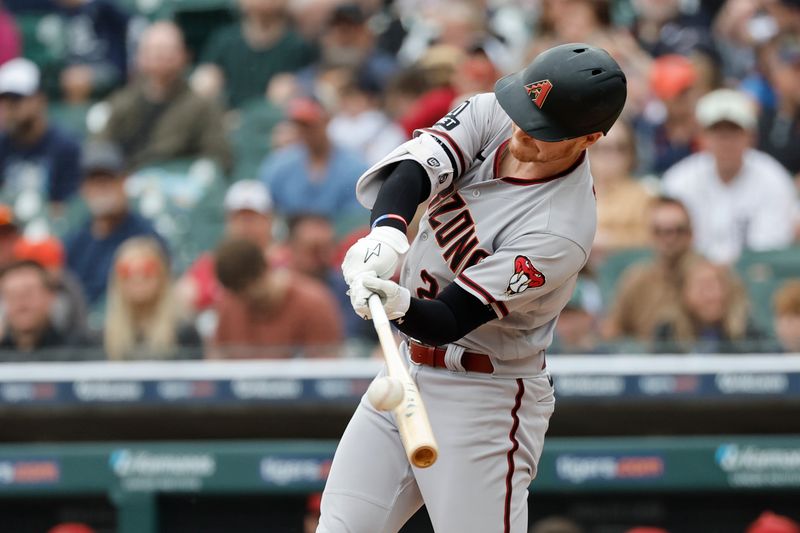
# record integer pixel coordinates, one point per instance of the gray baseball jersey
(515, 244)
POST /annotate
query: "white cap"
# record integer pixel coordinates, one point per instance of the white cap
(726, 105)
(248, 194)
(19, 76)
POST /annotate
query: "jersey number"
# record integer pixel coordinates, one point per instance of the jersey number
(449, 121)
(432, 289)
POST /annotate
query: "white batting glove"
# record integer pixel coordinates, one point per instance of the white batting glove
(379, 252)
(395, 299)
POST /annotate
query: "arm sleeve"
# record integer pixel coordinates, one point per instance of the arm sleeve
(447, 318)
(406, 187)
(446, 151)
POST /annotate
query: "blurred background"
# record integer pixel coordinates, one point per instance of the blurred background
(177, 352)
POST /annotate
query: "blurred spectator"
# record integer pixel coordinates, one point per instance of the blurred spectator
(157, 117)
(10, 42)
(785, 14)
(142, 315)
(712, 315)
(647, 290)
(360, 124)
(35, 156)
(248, 215)
(667, 130)
(71, 527)
(311, 244)
(268, 313)
(662, 27)
(95, 47)
(91, 249)
(739, 198)
(9, 235)
(311, 518)
(577, 329)
(347, 42)
(779, 127)
(68, 313)
(770, 522)
(786, 312)
(315, 175)
(240, 59)
(555, 524)
(27, 296)
(622, 202)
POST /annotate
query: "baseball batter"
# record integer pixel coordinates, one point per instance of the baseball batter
(509, 224)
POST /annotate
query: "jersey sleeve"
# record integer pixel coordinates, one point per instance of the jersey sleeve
(446, 150)
(526, 269)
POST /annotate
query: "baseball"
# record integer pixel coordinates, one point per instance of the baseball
(385, 393)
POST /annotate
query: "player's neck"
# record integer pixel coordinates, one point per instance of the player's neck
(510, 166)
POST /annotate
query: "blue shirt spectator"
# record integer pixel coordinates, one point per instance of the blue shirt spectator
(90, 251)
(34, 155)
(313, 176)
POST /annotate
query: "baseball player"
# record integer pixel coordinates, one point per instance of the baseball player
(509, 224)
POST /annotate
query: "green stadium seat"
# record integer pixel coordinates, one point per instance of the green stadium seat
(763, 273)
(71, 117)
(251, 139)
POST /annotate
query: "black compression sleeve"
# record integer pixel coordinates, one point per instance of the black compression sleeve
(453, 314)
(405, 188)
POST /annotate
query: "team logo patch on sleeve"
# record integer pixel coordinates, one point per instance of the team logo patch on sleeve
(538, 91)
(525, 275)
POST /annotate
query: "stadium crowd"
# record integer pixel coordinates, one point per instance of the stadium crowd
(178, 180)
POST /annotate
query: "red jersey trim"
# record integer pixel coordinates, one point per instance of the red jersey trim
(512, 436)
(484, 294)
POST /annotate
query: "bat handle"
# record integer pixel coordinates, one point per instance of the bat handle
(379, 317)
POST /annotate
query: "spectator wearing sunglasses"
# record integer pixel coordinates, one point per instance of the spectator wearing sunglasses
(648, 290)
(143, 320)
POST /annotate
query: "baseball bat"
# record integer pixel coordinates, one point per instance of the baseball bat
(412, 418)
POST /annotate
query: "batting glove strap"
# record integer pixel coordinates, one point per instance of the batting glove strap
(395, 299)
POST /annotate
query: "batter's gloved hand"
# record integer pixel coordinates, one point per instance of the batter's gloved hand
(379, 252)
(395, 299)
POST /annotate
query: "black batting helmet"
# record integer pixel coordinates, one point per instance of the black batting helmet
(568, 91)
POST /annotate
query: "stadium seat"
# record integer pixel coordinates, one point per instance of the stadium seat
(251, 138)
(763, 273)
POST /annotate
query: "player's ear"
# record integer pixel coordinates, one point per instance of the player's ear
(591, 139)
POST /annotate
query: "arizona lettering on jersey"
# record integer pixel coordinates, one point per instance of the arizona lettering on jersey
(515, 244)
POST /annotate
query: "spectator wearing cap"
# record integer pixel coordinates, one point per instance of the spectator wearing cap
(240, 59)
(360, 124)
(779, 127)
(270, 313)
(770, 522)
(95, 54)
(91, 249)
(649, 289)
(248, 215)
(27, 294)
(158, 117)
(68, 313)
(314, 175)
(666, 129)
(36, 157)
(786, 310)
(739, 198)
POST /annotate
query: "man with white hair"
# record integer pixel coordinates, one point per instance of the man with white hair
(739, 198)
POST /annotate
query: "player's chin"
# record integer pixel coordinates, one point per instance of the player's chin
(526, 154)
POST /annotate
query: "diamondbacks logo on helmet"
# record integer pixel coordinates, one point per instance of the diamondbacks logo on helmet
(525, 276)
(538, 91)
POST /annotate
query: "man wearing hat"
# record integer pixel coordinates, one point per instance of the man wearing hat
(34, 155)
(738, 198)
(510, 221)
(90, 250)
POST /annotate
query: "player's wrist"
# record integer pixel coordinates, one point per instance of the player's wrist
(393, 237)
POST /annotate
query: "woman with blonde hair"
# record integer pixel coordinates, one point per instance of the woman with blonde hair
(143, 320)
(712, 316)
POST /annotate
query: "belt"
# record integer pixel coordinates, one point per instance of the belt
(434, 356)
